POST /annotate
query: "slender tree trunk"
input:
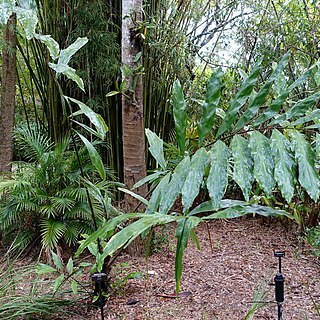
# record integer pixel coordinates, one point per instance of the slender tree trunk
(133, 135)
(8, 93)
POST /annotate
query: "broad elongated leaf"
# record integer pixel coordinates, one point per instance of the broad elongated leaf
(175, 185)
(239, 211)
(209, 206)
(69, 266)
(285, 166)
(261, 96)
(51, 44)
(305, 156)
(94, 117)
(104, 230)
(150, 177)
(6, 9)
(179, 114)
(42, 268)
(242, 165)
(94, 156)
(194, 178)
(299, 109)
(27, 17)
(312, 116)
(69, 72)
(218, 176)
(57, 261)
(275, 106)
(156, 148)
(240, 99)
(66, 54)
(263, 162)
(135, 195)
(158, 194)
(185, 225)
(58, 283)
(132, 231)
(209, 106)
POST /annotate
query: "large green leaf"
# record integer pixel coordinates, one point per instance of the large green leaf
(311, 116)
(240, 99)
(305, 156)
(27, 16)
(94, 156)
(185, 225)
(156, 148)
(275, 106)
(105, 229)
(261, 96)
(242, 164)
(94, 117)
(158, 194)
(298, 109)
(194, 178)
(51, 44)
(66, 54)
(284, 164)
(6, 9)
(175, 185)
(263, 162)
(218, 176)
(151, 177)
(125, 236)
(180, 115)
(210, 104)
(239, 211)
(69, 72)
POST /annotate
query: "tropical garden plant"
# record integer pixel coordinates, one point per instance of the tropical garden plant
(259, 145)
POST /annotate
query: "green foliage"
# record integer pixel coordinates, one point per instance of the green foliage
(47, 198)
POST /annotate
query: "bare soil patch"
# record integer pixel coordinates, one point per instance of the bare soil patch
(220, 280)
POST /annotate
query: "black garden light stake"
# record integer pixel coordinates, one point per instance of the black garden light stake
(279, 284)
(99, 285)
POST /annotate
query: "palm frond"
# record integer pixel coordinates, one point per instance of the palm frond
(51, 232)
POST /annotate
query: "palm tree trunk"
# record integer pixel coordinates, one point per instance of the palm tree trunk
(133, 136)
(8, 93)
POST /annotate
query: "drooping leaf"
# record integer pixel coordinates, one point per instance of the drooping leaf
(193, 181)
(175, 185)
(42, 268)
(313, 115)
(6, 9)
(69, 72)
(125, 236)
(298, 109)
(305, 156)
(58, 283)
(27, 16)
(180, 115)
(285, 166)
(94, 156)
(135, 195)
(209, 106)
(242, 164)
(275, 106)
(262, 95)
(209, 206)
(185, 225)
(102, 231)
(263, 162)
(94, 117)
(156, 148)
(66, 54)
(158, 194)
(51, 44)
(218, 176)
(240, 99)
(239, 211)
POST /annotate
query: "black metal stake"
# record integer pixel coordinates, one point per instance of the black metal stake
(99, 281)
(279, 284)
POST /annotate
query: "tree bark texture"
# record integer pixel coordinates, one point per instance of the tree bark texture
(8, 94)
(133, 135)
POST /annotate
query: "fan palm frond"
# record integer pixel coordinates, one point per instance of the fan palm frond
(51, 232)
